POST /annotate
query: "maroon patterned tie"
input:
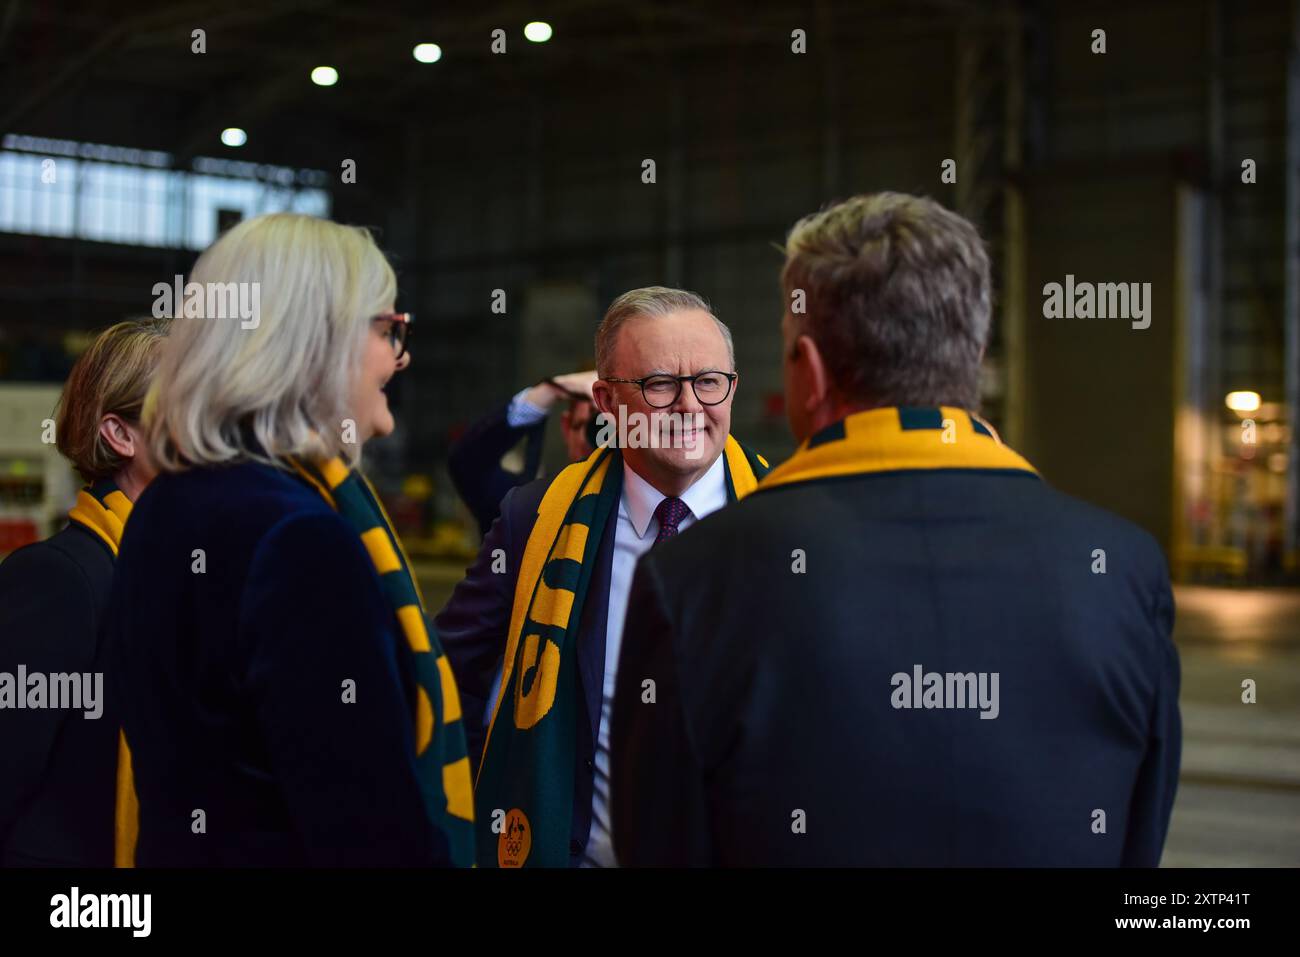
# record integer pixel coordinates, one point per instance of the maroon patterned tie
(670, 512)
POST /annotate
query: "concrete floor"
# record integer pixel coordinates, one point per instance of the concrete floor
(1238, 801)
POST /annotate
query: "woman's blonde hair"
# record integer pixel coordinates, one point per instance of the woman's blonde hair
(280, 385)
(110, 377)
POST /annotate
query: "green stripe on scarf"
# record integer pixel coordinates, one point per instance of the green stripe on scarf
(441, 757)
(528, 760)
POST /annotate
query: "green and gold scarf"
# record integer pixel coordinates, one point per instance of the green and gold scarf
(102, 509)
(898, 439)
(525, 784)
(441, 758)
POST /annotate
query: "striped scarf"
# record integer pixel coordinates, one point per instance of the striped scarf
(525, 783)
(102, 510)
(442, 761)
(897, 439)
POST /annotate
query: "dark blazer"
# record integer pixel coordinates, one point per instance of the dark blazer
(58, 769)
(773, 738)
(231, 679)
(474, 627)
(474, 462)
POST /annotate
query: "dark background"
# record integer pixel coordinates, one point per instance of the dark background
(523, 172)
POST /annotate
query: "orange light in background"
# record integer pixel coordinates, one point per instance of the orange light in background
(1242, 401)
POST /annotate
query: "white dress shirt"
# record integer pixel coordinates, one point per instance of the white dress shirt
(635, 532)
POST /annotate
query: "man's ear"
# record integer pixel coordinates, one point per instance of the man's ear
(603, 394)
(809, 359)
(112, 427)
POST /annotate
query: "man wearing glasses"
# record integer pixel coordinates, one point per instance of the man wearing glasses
(667, 364)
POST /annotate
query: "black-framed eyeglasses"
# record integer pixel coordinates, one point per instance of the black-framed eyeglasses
(660, 391)
(399, 329)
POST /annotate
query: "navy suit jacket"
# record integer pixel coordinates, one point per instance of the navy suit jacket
(774, 736)
(58, 769)
(231, 676)
(474, 627)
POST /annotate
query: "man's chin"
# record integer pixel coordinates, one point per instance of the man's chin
(688, 459)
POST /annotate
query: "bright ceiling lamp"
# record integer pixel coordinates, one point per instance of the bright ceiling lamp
(1242, 401)
(538, 31)
(324, 76)
(234, 136)
(427, 52)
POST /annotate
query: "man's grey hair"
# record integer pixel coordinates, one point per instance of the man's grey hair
(896, 290)
(650, 301)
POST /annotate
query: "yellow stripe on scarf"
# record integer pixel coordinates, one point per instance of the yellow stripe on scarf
(381, 551)
(456, 786)
(742, 476)
(107, 520)
(126, 812)
(412, 620)
(875, 441)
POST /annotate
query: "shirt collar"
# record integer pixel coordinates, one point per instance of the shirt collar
(640, 498)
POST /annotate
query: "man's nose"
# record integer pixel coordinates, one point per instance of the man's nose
(687, 401)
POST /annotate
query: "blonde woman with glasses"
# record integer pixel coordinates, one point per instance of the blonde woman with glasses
(284, 696)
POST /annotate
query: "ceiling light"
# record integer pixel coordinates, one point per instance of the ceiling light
(427, 52)
(538, 31)
(1242, 401)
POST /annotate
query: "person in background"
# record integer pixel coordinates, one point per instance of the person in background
(58, 767)
(474, 460)
(899, 649)
(283, 694)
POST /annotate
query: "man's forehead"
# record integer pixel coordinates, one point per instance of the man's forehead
(689, 335)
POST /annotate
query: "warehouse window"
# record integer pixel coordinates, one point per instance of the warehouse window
(121, 195)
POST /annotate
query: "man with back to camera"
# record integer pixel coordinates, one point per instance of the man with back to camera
(901, 649)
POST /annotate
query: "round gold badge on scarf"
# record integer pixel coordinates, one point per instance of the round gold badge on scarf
(515, 840)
